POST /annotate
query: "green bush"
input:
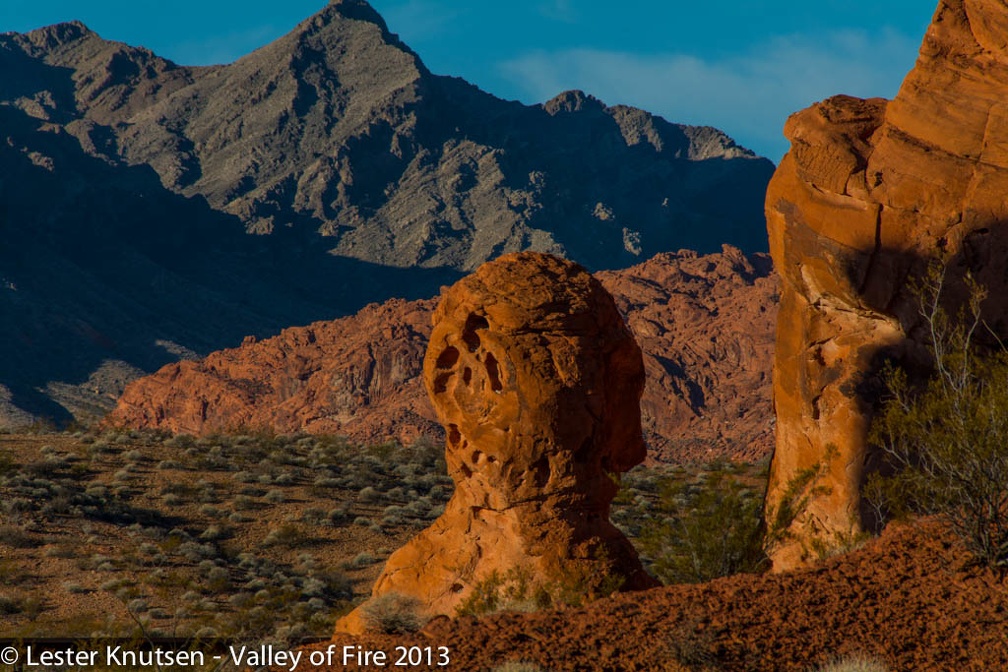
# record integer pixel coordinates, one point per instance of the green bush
(513, 591)
(704, 529)
(393, 614)
(946, 438)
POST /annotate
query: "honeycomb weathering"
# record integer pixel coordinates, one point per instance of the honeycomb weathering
(537, 381)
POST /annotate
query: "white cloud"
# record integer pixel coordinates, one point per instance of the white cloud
(748, 96)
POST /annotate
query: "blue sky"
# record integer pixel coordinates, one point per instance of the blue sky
(740, 65)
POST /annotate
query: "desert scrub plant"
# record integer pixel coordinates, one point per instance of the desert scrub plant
(946, 438)
(511, 591)
(286, 535)
(854, 664)
(393, 614)
(704, 528)
(518, 666)
(14, 537)
(518, 589)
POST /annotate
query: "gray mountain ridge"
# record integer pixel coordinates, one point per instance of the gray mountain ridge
(151, 210)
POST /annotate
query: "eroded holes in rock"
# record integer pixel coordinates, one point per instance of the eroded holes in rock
(454, 436)
(477, 456)
(448, 358)
(441, 382)
(467, 375)
(456, 587)
(472, 325)
(493, 372)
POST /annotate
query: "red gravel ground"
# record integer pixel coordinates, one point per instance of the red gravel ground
(908, 598)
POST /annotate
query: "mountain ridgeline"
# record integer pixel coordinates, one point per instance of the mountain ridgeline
(152, 211)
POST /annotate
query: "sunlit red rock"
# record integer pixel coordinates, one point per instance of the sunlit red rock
(537, 381)
(869, 193)
(704, 322)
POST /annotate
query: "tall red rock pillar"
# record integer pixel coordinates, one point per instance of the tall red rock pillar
(537, 381)
(869, 193)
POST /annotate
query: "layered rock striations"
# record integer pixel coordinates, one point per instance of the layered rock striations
(704, 322)
(537, 382)
(870, 193)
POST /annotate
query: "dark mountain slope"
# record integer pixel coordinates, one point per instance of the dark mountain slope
(130, 186)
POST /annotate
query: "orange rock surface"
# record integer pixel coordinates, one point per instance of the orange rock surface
(537, 381)
(869, 193)
(704, 322)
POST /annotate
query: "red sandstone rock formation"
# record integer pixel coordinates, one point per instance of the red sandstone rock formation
(869, 192)
(705, 324)
(537, 381)
(357, 376)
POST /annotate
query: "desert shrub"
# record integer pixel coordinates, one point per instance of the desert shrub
(170, 499)
(393, 614)
(313, 516)
(15, 537)
(519, 590)
(9, 606)
(323, 483)
(368, 494)
(518, 666)
(854, 664)
(275, 496)
(243, 503)
(362, 559)
(286, 535)
(7, 465)
(705, 529)
(946, 438)
(170, 465)
(511, 591)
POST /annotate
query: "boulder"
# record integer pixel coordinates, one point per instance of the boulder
(871, 193)
(537, 381)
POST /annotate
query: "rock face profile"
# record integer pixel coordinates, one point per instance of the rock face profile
(152, 210)
(705, 324)
(537, 381)
(869, 194)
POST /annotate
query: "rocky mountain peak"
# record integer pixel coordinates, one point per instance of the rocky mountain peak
(573, 101)
(58, 35)
(357, 10)
(352, 164)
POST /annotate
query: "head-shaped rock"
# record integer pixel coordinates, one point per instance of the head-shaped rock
(537, 381)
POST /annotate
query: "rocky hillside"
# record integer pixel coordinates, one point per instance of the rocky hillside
(704, 323)
(153, 210)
